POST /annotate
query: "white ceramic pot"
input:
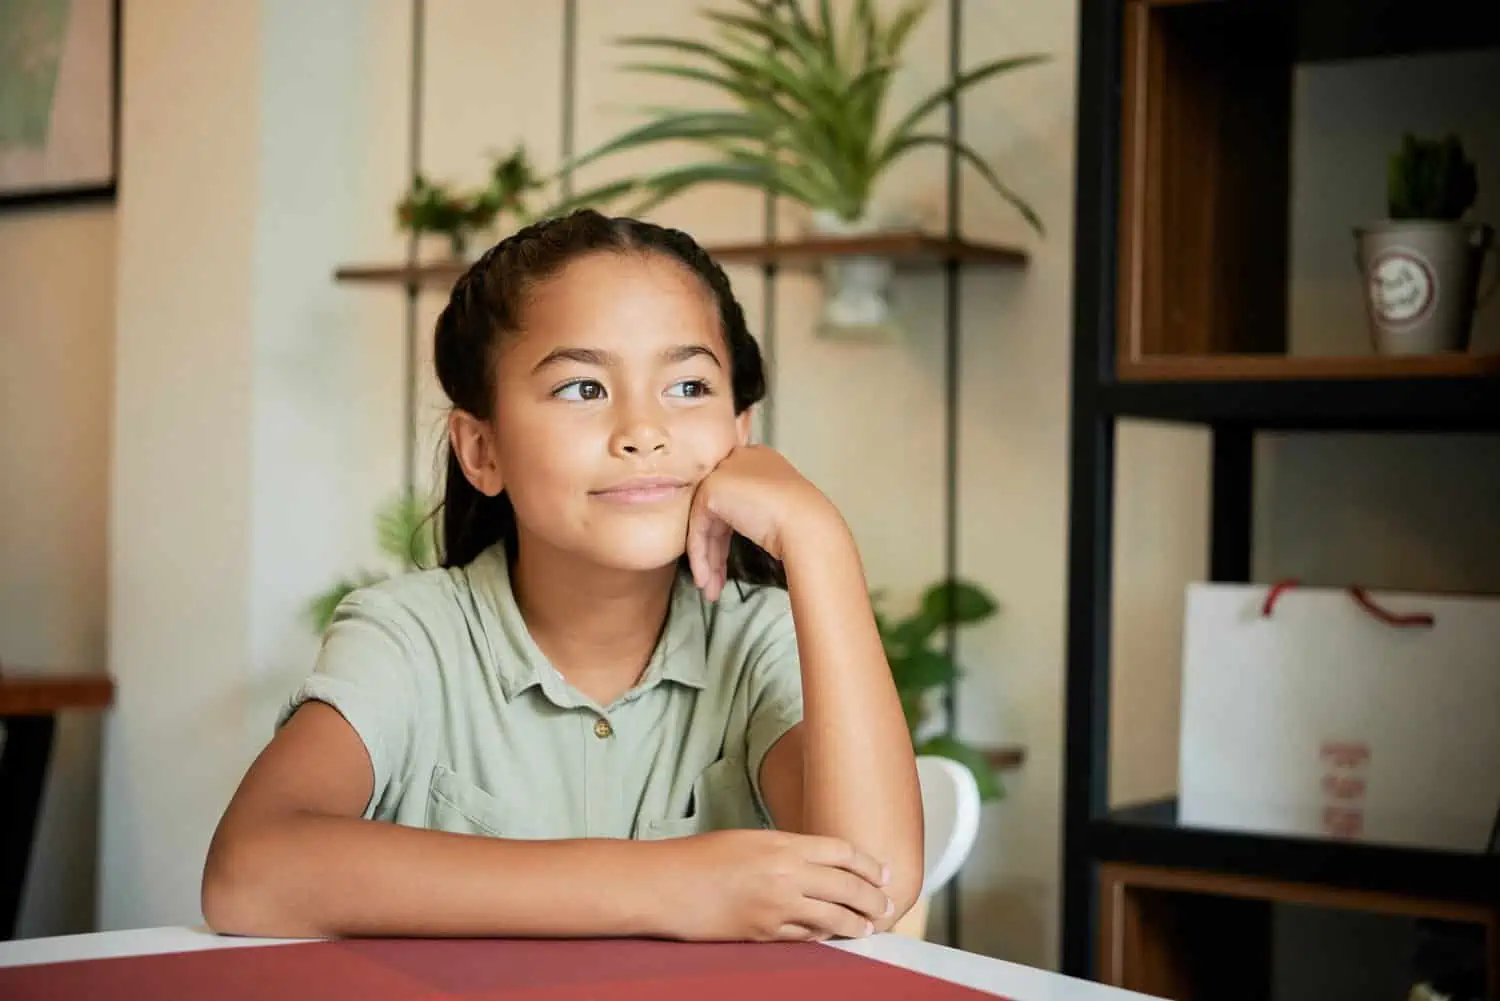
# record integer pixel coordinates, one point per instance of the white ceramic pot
(1421, 283)
(855, 302)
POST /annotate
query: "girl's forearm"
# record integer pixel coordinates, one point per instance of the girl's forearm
(859, 773)
(314, 876)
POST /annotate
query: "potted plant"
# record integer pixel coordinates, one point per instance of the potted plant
(1421, 264)
(436, 208)
(920, 670)
(798, 111)
(406, 535)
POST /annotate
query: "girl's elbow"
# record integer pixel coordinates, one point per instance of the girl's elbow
(224, 898)
(904, 896)
(905, 889)
(237, 893)
(228, 896)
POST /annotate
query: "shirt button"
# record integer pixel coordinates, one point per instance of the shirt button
(602, 728)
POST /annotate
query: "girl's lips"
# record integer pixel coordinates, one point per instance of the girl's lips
(642, 490)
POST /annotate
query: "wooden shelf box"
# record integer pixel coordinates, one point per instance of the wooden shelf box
(1206, 179)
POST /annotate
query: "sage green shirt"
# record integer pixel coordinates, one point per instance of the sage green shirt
(470, 729)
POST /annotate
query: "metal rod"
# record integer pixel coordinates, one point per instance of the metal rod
(768, 328)
(768, 310)
(414, 167)
(1091, 478)
(569, 97)
(951, 401)
(1232, 495)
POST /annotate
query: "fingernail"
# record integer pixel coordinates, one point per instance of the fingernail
(885, 875)
(890, 905)
(869, 928)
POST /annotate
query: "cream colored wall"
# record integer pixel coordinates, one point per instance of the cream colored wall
(180, 490)
(57, 294)
(257, 411)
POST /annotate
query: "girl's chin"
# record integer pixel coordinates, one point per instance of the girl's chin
(640, 551)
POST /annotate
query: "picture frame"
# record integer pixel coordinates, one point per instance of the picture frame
(59, 101)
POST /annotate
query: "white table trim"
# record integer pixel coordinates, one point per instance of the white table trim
(995, 976)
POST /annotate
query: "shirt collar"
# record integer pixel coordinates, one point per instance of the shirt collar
(519, 664)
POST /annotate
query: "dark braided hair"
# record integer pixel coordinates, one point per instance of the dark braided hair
(487, 304)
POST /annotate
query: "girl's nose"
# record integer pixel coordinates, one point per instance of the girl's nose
(633, 448)
(640, 437)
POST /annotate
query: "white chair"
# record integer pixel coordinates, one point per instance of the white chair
(950, 807)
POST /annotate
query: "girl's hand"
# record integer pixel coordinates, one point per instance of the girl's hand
(760, 886)
(756, 492)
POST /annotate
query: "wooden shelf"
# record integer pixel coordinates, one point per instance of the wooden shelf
(1149, 834)
(1271, 367)
(1457, 392)
(432, 274)
(908, 250)
(34, 693)
(1324, 30)
(1187, 934)
(1005, 758)
(1364, 29)
(912, 249)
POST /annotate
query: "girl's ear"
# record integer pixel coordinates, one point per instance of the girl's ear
(742, 426)
(473, 444)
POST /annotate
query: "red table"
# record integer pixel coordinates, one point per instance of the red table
(164, 964)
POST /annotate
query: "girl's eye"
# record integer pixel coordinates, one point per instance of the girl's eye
(689, 388)
(580, 390)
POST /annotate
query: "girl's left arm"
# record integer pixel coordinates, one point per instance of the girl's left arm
(852, 754)
(847, 770)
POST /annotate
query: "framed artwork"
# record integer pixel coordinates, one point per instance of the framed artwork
(59, 100)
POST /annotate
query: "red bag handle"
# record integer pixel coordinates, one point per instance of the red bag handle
(1360, 595)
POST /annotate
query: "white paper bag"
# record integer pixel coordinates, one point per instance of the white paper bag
(1311, 715)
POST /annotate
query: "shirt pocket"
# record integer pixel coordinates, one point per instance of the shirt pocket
(458, 806)
(721, 800)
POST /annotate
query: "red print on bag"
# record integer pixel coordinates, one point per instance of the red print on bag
(1344, 786)
(1341, 822)
(1345, 754)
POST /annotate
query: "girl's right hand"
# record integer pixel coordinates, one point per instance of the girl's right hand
(769, 886)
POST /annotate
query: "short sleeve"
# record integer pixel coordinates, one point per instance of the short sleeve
(775, 697)
(365, 671)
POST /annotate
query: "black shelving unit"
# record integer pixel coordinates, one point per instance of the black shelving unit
(1233, 409)
(1437, 403)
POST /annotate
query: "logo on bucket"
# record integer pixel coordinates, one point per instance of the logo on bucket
(1402, 289)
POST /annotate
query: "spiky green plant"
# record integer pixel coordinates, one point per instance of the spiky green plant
(406, 535)
(1430, 179)
(808, 100)
(919, 670)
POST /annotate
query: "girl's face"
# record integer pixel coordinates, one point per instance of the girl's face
(611, 406)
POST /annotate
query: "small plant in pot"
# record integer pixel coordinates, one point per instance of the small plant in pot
(921, 670)
(1421, 264)
(430, 207)
(798, 109)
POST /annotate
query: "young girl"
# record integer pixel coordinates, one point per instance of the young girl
(644, 695)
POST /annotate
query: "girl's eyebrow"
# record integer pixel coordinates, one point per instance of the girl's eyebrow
(602, 359)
